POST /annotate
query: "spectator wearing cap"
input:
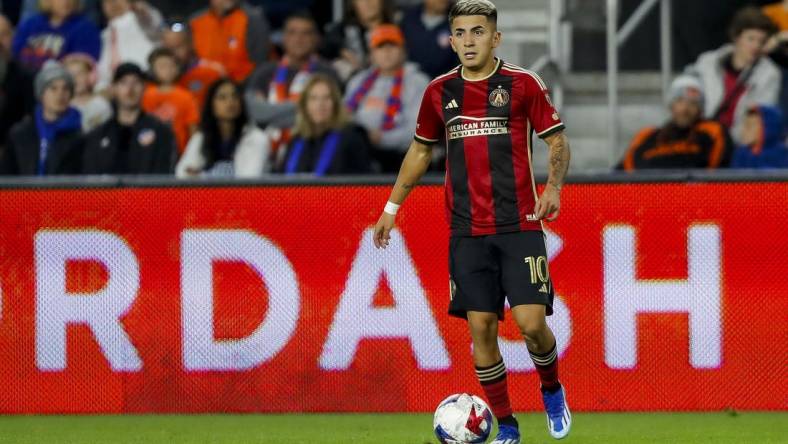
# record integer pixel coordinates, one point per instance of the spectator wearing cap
(95, 109)
(385, 98)
(427, 33)
(274, 88)
(233, 34)
(196, 75)
(169, 102)
(131, 142)
(227, 143)
(16, 84)
(58, 30)
(347, 43)
(124, 39)
(738, 76)
(763, 140)
(686, 141)
(50, 141)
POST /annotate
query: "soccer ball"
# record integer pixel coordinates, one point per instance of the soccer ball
(462, 419)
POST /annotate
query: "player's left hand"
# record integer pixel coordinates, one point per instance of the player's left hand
(549, 204)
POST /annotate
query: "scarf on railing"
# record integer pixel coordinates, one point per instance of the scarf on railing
(393, 103)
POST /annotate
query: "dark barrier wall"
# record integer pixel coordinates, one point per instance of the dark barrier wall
(671, 296)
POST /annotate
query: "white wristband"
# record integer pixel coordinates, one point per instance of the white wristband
(391, 208)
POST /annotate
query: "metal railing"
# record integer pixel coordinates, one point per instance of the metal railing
(615, 39)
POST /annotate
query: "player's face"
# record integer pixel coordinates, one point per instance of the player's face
(684, 112)
(474, 38)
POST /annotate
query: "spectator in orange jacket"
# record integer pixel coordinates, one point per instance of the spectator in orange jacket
(686, 141)
(232, 33)
(196, 74)
(168, 101)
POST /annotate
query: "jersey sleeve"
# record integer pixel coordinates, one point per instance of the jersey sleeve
(539, 108)
(429, 125)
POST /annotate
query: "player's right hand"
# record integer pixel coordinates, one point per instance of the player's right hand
(383, 230)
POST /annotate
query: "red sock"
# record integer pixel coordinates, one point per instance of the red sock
(493, 381)
(547, 368)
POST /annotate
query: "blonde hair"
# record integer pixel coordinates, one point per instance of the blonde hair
(304, 127)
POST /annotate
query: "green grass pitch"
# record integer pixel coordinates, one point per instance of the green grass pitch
(588, 428)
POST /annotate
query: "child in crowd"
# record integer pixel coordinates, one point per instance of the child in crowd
(95, 109)
(762, 139)
(166, 100)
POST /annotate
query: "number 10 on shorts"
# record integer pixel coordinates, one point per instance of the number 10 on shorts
(538, 267)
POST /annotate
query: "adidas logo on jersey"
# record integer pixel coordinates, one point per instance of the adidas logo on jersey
(543, 289)
(452, 105)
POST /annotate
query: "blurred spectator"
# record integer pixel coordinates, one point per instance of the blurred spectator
(196, 74)
(123, 40)
(149, 18)
(737, 76)
(346, 42)
(132, 142)
(273, 89)
(50, 141)
(95, 109)
(427, 34)
(16, 85)
(326, 141)
(686, 141)
(777, 47)
(763, 140)
(232, 33)
(385, 98)
(169, 102)
(6, 37)
(58, 30)
(89, 7)
(227, 143)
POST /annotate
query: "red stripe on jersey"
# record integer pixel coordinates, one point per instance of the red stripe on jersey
(477, 163)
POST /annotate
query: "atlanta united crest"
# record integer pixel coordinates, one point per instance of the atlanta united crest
(499, 97)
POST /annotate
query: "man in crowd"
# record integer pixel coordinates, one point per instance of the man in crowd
(274, 88)
(50, 141)
(738, 76)
(385, 98)
(132, 142)
(427, 33)
(232, 33)
(196, 75)
(686, 141)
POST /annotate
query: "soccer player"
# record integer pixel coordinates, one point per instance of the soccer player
(487, 110)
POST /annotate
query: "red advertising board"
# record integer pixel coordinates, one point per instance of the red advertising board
(273, 299)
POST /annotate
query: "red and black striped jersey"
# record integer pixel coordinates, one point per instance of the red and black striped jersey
(488, 125)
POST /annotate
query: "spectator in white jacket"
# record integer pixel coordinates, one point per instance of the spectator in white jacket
(127, 38)
(739, 75)
(226, 144)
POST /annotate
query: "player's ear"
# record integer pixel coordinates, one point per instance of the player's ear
(496, 39)
(452, 42)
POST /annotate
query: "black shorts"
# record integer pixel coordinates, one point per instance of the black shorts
(484, 271)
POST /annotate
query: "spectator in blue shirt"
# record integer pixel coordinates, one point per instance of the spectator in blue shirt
(59, 30)
(427, 32)
(763, 138)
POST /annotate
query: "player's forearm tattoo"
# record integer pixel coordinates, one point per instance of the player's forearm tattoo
(559, 160)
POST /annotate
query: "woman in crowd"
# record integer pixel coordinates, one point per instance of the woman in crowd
(346, 42)
(226, 144)
(326, 142)
(58, 30)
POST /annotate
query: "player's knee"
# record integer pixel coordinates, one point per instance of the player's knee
(485, 329)
(533, 332)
